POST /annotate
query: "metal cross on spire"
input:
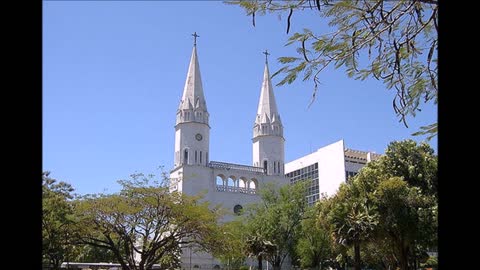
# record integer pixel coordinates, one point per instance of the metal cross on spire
(266, 55)
(195, 38)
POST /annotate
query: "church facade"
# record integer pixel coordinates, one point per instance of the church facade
(227, 184)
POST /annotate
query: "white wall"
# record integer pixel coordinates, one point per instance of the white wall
(331, 166)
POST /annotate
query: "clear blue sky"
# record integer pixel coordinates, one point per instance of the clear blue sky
(114, 71)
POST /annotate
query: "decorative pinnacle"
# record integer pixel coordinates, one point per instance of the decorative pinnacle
(195, 38)
(266, 55)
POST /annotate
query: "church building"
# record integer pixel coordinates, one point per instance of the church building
(235, 185)
(230, 185)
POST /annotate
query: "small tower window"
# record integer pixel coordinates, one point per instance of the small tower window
(200, 157)
(195, 156)
(265, 166)
(185, 157)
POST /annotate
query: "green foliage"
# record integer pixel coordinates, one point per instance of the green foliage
(274, 224)
(93, 254)
(315, 244)
(144, 219)
(431, 262)
(57, 220)
(232, 247)
(402, 187)
(417, 164)
(392, 41)
(353, 217)
(407, 217)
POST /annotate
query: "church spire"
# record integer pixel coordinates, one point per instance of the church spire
(193, 107)
(192, 131)
(268, 141)
(267, 112)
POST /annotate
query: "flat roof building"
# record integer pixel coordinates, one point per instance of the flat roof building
(327, 168)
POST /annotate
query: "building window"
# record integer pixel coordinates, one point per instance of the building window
(241, 183)
(200, 157)
(252, 184)
(195, 156)
(230, 181)
(185, 157)
(265, 166)
(219, 180)
(274, 167)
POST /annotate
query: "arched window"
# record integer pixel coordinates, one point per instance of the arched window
(231, 181)
(252, 184)
(219, 181)
(195, 156)
(241, 183)
(185, 156)
(274, 167)
(200, 157)
(265, 167)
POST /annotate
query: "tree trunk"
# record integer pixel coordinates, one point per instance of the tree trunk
(357, 261)
(403, 258)
(260, 266)
(277, 263)
(54, 264)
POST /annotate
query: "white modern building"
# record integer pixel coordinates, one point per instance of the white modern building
(327, 168)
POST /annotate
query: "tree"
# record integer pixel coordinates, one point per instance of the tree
(57, 220)
(407, 217)
(274, 223)
(314, 246)
(392, 41)
(232, 249)
(145, 224)
(260, 248)
(353, 219)
(402, 186)
(93, 254)
(417, 164)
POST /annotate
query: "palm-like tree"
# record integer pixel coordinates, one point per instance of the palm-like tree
(259, 248)
(354, 223)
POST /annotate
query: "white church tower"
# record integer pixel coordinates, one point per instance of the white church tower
(229, 185)
(268, 141)
(192, 131)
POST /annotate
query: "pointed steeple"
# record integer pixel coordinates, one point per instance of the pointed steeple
(267, 104)
(193, 90)
(267, 112)
(193, 107)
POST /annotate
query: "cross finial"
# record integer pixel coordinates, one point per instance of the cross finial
(195, 38)
(266, 55)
